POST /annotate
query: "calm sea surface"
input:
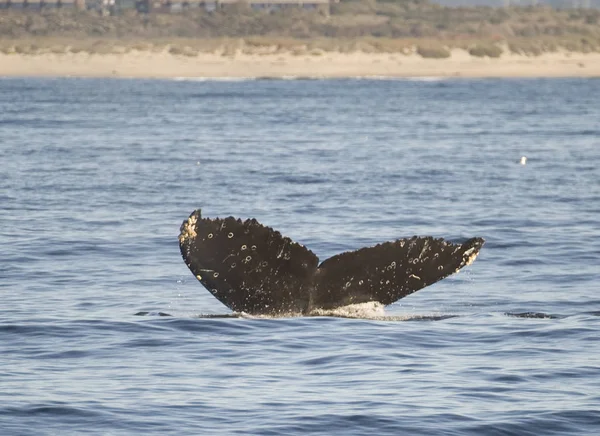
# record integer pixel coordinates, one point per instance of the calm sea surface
(97, 175)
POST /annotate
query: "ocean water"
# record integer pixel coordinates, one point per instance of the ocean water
(96, 177)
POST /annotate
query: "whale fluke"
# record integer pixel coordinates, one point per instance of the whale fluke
(254, 269)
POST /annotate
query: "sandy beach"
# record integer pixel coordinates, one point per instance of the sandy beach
(147, 64)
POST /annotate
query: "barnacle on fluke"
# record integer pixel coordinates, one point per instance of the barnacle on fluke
(277, 275)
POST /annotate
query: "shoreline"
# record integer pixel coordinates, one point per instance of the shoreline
(324, 64)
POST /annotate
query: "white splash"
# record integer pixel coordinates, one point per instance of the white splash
(369, 310)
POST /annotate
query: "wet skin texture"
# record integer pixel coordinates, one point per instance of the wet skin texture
(254, 269)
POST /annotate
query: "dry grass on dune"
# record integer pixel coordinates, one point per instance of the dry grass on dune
(368, 26)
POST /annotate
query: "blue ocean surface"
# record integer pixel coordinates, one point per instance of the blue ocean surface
(96, 177)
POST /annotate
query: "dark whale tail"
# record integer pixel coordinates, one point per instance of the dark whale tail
(254, 269)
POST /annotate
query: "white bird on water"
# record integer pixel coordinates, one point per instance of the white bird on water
(523, 160)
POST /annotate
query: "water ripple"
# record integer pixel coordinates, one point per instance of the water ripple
(99, 174)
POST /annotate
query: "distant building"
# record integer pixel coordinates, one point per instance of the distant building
(107, 7)
(211, 5)
(41, 4)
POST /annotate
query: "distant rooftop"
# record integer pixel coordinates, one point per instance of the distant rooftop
(563, 4)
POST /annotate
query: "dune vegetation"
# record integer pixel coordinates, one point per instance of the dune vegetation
(384, 26)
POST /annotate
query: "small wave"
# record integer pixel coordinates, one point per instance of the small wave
(152, 314)
(427, 78)
(535, 315)
(293, 77)
(373, 311)
(213, 79)
(368, 311)
(51, 409)
(396, 78)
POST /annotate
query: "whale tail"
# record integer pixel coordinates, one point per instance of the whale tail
(254, 269)
(248, 267)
